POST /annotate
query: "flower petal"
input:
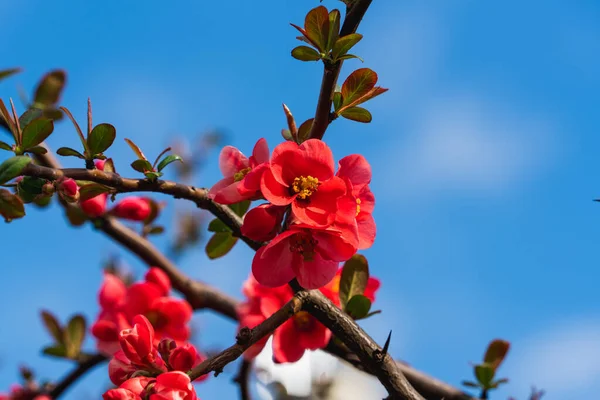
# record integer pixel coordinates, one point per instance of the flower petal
(317, 338)
(356, 168)
(286, 347)
(274, 191)
(231, 160)
(260, 153)
(272, 264)
(316, 273)
(366, 230)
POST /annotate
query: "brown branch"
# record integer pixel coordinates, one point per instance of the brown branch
(331, 71)
(243, 378)
(86, 364)
(247, 337)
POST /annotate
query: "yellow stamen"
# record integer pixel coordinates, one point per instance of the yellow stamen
(304, 245)
(238, 176)
(358, 206)
(305, 186)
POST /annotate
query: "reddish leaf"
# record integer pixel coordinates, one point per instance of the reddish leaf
(304, 130)
(50, 88)
(496, 352)
(78, 129)
(8, 72)
(344, 44)
(316, 25)
(334, 28)
(304, 37)
(358, 84)
(136, 149)
(11, 206)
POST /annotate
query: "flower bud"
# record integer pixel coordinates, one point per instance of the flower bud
(94, 207)
(138, 342)
(132, 208)
(263, 222)
(184, 358)
(48, 188)
(159, 278)
(165, 347)
(68, 190)
(99, 164)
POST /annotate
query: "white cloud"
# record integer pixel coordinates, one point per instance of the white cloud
(468, 143)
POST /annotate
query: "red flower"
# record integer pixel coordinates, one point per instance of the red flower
(132, 208)
(120, 368)
(68, 190)
(138, 342)
(303, 176)
(132, 389)
(310, 255)
(96, 206)
(185, 357)
(262, 223)
(173, 385)
(356, 171)
(241, 174)
(332, 289)
(159, 278)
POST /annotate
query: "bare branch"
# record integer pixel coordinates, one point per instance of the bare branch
(243, 378)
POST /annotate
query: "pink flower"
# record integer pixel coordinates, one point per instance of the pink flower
(120, 368)
(132, 208)
(174, 385)
(303, 176)
(132, 389)
(262, 223)
(310, 255)
(185, 357)
(68, 190)
(241, 174)
(138, 342)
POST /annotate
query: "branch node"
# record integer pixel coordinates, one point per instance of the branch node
(244, 336)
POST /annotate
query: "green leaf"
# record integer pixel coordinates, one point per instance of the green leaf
(168, 160)
(36, 132)
(12, 167)
(220, 244)
(73, 335)
(355, 275)
(141, 166)
(92, 190)
(52, 326)
(153, 176)
(305, 53)
(358, 84)
(29, 115)
(357, 114)
(304, 130)
(495, 384)
(50, 88)
(358, 306)
(470, 384)
(156, 230)
(29, 188)
(69, 152)
(334, 28)
(344, 44)
(55, 351)
(5, 73)
(5, 146)
(348, 57)
(316, 25)
(216, 225)
(136, 149)
(76, 216)
(101, 138)
(287, 135)
(11, 206)
(496, 352)
(109, 166)
(484, 374)
(241, 207)
(42, 201)
(337, 100)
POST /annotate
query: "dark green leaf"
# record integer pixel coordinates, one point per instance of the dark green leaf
(50, 88)
(101, 138)
(168, 160)
(470, 384)
(305, 53)
(304, 130)
(136, 149)
(52, 326)
(55, 351)
(92, 190)
(29, 115)
(11, 206)
(67, 151)
(29, 188)
(337, 100)
(141, 165)
(344, 44)
(5, 146)
(358, 306)
(216, 225)
(287, 135)
(74, 334)
(220, 244)
(36, 132)
(156, 230)
(12, 167)
(316, 25)
(484, 374)
(37, 150)
(496, 352)
(355, 275)
(334, 29)
(357, 114)
(5, 73)
(241, 207)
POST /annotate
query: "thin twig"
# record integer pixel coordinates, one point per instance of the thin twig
(83, 367)
(243, 379)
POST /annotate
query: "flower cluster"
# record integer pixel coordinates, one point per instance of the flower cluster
(119, 305)
(132, 208)
(142, 369)
(301, 332)
(326, 215)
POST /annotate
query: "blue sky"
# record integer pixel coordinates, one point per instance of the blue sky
(483, 152)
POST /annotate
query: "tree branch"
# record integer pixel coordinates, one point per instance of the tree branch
(243, 378)
(331, 72)
(83, 367)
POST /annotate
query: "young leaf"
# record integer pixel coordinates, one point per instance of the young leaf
(136, 150)
(141, 165)
(168, 160)
(484, 374)
(69, 152)
(12, 167)
(50, 88)
(358, 84)
(304, 130)
(37, 150)
(11, 206)
(357, 114)
(348, 57)
(29, 188)
(496, 352)
(153, 176)
(216, 225)
(74, 335)
(76, 216)
(5, 146)
(241, 207)
(101, 138)
(5, 115)
(470, 384)
(5, 73)
(304, 38)
(109, 166)
(358, 306)
(36, 132)
(334, 28)
(78, 129)
(316, 25)
(220, 244)
(92, 190)
(29, 115)
(305, 53)
(55, 351)
(285, 133)
(155, 208)
(355, 275)
(337, 100)
(156, 230)
(344, 44)
(52, 326)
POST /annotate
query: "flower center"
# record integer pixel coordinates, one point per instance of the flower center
(305, 186)
(303, 321)
(238, 176)
(158, 320)
(304, 245)
(357, 206)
